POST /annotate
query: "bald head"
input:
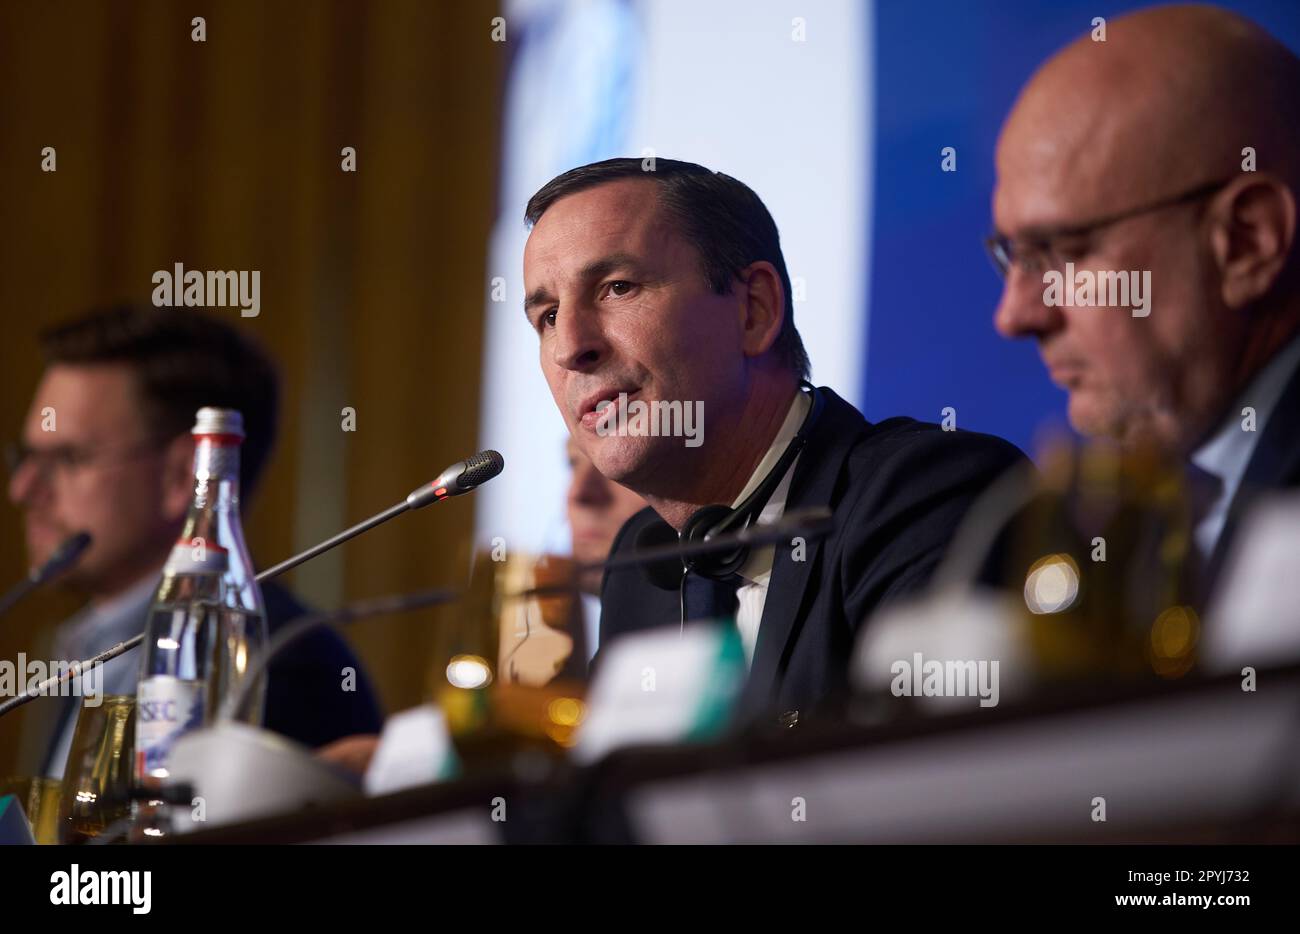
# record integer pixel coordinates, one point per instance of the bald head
(1165, 105)
(1167, 101)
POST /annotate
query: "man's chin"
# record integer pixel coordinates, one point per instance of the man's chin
(1128, 425)
(626, 461)
(40, 548)
(77, 582)
(1092, 418)
(79, 579)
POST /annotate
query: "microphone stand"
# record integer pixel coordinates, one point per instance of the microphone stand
(460, 478)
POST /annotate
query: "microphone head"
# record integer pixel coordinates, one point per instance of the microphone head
(481, 468)
(64, 556)
(460, 477)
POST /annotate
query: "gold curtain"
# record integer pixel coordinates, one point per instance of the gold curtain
(226, 154)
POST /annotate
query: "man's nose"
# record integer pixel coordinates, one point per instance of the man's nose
(26, 483)
(579, 340)
(1021, 312)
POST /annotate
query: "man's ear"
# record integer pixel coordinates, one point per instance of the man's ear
(177, 477)
(764, 308)
(1252, 237)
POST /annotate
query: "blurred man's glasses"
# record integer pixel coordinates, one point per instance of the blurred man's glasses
(67, 459)
(1049, 250)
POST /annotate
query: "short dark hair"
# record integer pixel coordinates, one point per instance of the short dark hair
(183, 360)
(724, 220)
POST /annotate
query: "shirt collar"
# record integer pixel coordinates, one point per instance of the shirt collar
(789, 428)
(1228, 451)
(758, 567)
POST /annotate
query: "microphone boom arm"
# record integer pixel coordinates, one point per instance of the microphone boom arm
(458, 479)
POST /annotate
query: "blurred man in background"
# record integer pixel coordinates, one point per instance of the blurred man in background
(1193, 184)
(106, 448)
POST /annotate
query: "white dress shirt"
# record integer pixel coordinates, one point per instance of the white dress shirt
(1228, 451)
(590, 610)
(757, 570)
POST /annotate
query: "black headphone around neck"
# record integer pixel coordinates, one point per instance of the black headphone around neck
(710, 521)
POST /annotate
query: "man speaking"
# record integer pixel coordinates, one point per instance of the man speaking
(665, 292)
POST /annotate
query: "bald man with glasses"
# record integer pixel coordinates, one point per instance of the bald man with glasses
(1169, 150)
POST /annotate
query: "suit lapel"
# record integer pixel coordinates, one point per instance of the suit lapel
(813, 484)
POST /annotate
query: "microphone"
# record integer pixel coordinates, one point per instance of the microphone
(459, 478)
(65, 556)
(664, 559)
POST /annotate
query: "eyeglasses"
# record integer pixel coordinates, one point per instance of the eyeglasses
(66, 459)
(1043, 251)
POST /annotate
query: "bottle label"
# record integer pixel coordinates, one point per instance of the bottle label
(166, 709)
(196, 557)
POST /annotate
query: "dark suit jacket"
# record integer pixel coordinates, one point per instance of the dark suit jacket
(1274, 465)
(898, 490)
(305, 700)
